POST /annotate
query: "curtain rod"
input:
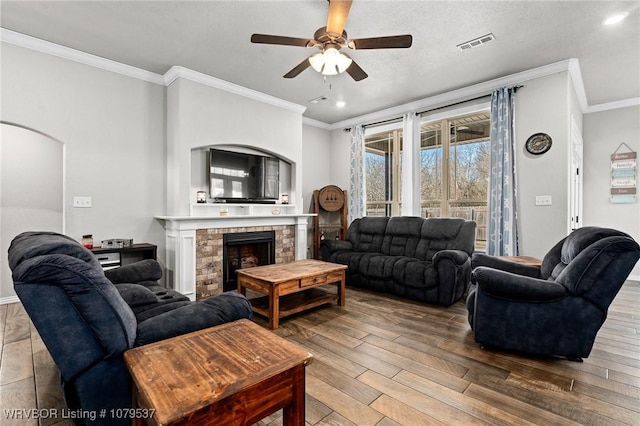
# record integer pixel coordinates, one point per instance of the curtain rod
(391, 120)
(488, 95)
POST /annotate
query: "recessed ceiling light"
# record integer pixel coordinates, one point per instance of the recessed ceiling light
(341, 104)
(614, 19)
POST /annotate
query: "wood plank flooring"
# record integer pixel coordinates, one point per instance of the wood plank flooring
(385, 361)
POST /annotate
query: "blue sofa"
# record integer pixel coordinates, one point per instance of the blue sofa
(557, 308)
(87, 322)
(427, 260)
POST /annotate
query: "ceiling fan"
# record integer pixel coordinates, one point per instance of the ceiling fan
(329, 40)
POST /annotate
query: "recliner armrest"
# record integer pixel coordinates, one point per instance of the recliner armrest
(144, 270)
(329, 246)
(481, 259)
(459, 257)
(506, 285)
(216, 310)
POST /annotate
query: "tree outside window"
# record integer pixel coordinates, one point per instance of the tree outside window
(454, 170)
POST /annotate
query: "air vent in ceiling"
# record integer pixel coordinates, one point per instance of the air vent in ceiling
(318, 99)
(476, 42)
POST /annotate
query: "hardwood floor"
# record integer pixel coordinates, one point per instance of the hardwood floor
(385, 361)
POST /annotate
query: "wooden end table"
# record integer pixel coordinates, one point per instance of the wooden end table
(524, 260)
(296, 282)
(233, 374)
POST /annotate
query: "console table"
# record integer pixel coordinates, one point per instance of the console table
(233, 374)
(111, 258)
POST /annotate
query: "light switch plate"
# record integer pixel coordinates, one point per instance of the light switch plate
(543, 200)
(82, 202)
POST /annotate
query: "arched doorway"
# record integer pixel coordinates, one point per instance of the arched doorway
(31, 190)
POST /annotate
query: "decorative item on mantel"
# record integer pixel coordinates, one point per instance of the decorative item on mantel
(624, 167)
(201, 197)
(284, 198)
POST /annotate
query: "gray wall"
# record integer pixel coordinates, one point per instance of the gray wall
(113, 128)
(603, 133)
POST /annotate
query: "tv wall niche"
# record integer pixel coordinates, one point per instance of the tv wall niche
(201, 174)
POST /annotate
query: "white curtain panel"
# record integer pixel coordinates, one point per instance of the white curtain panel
(503, 218)
(357, 186)
(410, 164)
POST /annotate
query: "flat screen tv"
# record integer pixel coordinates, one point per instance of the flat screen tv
(242, 177)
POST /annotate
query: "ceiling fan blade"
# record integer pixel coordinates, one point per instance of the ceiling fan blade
(390, 42)
(356, 72)
(338, 12)
(282, 40)
(298, 69)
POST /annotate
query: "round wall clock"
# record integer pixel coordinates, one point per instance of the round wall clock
(538, 143)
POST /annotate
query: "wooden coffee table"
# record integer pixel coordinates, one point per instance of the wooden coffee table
(233, 374)
(290, 288)
(524, 260)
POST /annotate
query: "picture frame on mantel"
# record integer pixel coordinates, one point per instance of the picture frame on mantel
(624, 171)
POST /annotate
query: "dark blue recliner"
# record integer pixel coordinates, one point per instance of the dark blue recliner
(87, 322)
(555, 309)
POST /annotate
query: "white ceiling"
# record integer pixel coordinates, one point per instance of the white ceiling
(212, 37)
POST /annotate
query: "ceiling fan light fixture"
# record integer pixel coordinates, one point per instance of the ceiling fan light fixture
(330, 62)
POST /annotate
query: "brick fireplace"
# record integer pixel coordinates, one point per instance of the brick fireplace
(194, 244)
(210, 267)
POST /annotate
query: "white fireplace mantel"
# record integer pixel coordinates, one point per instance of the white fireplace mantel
(181, 241)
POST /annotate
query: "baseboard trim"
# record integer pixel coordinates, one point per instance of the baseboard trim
(10, 299)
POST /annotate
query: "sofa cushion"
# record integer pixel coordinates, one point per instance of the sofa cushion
(415, 273)
(402, 235)
(445, 234)
(366, 234)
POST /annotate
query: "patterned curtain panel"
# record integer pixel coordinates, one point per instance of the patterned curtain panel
(503, 225)
(357, 189)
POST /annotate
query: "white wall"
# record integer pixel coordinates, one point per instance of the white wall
(199, 115)
(35, 161)
(316, 163)
(113, 128)
(603, 133)
(542, 105)
(340, 161)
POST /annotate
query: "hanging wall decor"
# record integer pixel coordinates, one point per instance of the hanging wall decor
(624, 171)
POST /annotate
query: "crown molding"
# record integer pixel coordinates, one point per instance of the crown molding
(613, 105)
(459, 95)
(85, 58)
(176, 72)
(570, 65)
(316, 123)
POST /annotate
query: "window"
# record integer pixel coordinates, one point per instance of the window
(383, 152)
(454, 171)
(453, 174)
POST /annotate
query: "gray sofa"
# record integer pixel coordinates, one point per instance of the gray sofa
(427, 260)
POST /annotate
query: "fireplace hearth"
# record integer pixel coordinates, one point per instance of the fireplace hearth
(245, 250)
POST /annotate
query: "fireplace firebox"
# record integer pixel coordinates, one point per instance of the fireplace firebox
(245, 250)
